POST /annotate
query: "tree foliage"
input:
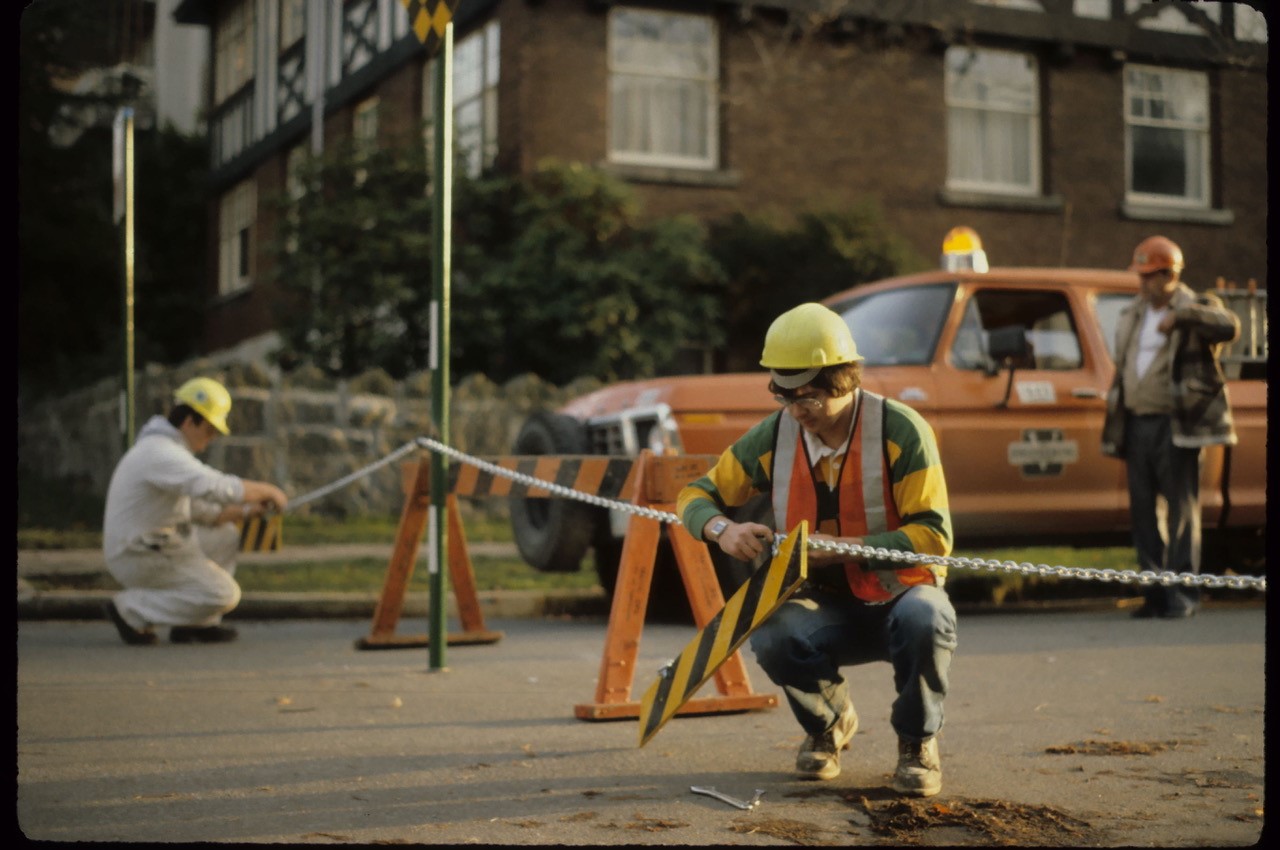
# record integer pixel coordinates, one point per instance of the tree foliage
(772, 263)
(70, 251)
(558, 274)
(353, 262)
(553, 274)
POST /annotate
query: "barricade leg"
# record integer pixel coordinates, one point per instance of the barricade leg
(626, 617)
(413, 519)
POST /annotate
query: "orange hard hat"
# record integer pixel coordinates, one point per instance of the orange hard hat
(1155, 253)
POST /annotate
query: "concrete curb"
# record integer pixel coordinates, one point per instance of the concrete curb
(500, 604)
(507, 604)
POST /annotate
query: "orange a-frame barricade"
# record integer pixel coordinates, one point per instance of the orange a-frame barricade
(658, 481)
(416, 480)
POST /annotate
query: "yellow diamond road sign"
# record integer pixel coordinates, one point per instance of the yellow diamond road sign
(428, 18)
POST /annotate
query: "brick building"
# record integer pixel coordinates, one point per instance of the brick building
(1063, 131)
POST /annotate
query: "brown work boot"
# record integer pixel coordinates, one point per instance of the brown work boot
(919, 769)
(819, 756)
(128, 634)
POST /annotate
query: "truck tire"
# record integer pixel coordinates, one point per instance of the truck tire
(552, 534)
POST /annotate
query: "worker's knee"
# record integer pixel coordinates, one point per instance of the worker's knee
(222, 591)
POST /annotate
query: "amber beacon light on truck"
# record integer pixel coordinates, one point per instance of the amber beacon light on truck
(962, 251)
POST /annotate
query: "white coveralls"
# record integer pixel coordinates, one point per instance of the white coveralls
(158, 535)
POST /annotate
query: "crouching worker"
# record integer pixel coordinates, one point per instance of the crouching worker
(863, 470)
(169, 532)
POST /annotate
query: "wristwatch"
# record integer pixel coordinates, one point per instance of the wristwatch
(717, 528)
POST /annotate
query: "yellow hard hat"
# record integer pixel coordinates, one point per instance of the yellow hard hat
(208, 398)
(807, 338)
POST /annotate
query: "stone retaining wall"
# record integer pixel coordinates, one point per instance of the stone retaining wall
(301, 430)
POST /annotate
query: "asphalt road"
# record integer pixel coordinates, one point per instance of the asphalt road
(1063, 729)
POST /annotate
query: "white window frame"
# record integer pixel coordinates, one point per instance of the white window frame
(971, 171)
(476, 70)
(1151, 95)
(237, 217)
(233, 49)
(644, 75)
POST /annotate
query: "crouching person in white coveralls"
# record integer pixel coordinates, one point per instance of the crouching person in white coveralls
(169, 532)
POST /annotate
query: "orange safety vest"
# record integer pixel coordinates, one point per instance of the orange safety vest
(865, 508)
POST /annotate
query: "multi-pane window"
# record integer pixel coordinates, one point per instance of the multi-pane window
(1166, 135)
(475, 100)
(293, 22)
(237, 212)
(295, 189)
(993, 121)
(364, 132)
(364, 125)
(233, 49)
(664, 74)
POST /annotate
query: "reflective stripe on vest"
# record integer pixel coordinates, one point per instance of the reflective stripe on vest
(795, 496)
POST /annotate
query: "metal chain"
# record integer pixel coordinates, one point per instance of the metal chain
(358, 474)
(558, 489)
(1144, 578)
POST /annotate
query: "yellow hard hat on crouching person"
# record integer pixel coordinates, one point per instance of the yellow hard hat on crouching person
(208, 398)
(803, 340)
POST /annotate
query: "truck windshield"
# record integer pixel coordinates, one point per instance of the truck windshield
(899, 327)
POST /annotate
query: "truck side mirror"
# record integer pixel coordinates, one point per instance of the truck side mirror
(1008, 347)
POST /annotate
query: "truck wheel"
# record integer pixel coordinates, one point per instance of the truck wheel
(552, 534)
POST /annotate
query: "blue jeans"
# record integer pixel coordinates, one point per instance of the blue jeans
(1164, 508)
(803, 645)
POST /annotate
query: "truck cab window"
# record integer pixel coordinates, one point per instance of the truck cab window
(1045, 318)
(898, 327)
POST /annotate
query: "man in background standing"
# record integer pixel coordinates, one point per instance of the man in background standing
(1168, 401)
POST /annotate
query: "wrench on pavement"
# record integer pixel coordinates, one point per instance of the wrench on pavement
(733, 801)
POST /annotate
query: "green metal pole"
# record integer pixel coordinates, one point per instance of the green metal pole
(127, 390)
(440, 271)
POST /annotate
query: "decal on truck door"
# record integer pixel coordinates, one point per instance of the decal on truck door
(1043, 452)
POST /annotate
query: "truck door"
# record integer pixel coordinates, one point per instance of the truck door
(1022, 458)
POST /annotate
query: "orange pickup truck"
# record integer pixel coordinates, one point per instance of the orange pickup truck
(1010, 366)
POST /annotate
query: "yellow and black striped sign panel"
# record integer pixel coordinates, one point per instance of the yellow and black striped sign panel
(750, 606)
(261, 533)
